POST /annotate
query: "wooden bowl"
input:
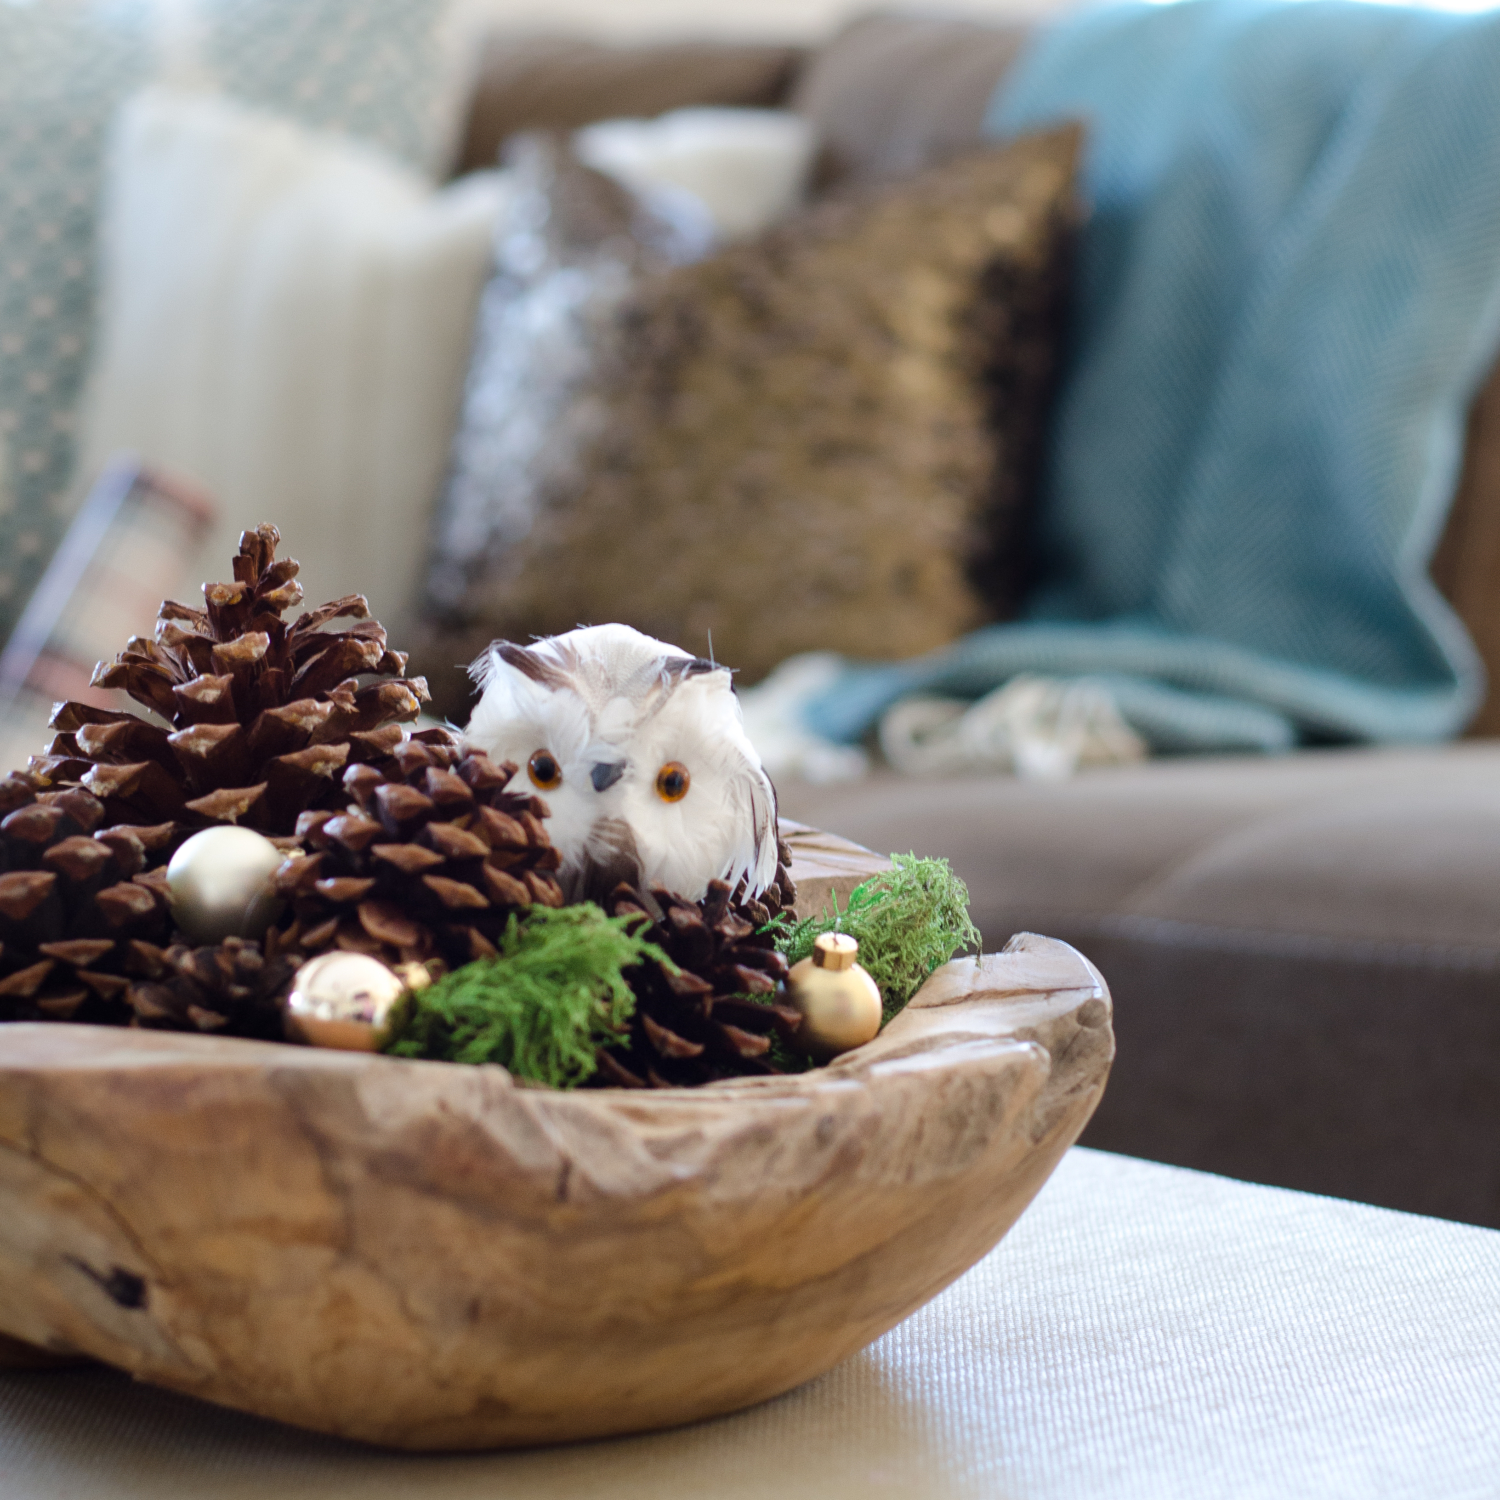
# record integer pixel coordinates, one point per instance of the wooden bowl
(431, 1256)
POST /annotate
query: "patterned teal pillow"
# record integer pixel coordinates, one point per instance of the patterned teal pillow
(366, 68)
(64, 66)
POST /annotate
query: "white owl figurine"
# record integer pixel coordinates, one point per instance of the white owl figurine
(641, 753)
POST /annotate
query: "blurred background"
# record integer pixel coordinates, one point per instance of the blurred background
(1078, 427)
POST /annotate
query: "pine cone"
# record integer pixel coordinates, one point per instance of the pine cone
(429, 859)
(75, 896)
(779, 896)
(265, 716)
(701, 1024)
(232, 989)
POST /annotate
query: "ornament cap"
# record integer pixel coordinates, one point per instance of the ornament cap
(835, 951)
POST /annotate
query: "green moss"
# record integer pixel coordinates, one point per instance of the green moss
(555, 993)
(907, 921)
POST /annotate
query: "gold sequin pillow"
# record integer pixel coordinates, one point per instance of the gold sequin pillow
(824, 438)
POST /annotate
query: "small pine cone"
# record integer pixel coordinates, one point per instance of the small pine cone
(74, 894)
(429, 859)
(699, 1024)
(264, 715)
(784, 886)
(779, 896)
(230, 989)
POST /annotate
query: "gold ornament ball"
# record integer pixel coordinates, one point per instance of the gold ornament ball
(344, 1000)
(220, 881)
(838, 1001)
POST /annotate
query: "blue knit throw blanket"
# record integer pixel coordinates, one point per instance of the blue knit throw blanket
(1288, 292)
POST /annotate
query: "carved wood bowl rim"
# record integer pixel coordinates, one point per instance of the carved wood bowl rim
(753, 1242)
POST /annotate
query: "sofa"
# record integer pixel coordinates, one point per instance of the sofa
(1304, 950)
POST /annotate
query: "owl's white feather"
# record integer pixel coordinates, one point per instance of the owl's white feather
(612, 707)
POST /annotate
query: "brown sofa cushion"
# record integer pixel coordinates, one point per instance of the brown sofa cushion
(890, 95)
(560, 83)
(1400, 847)
(1466, 566)
(1304, 953)
(736, 448)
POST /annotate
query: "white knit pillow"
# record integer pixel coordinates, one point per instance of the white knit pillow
(286, 322)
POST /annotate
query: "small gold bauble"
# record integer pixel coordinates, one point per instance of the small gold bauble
(838, 1001)
(344, 1000)
(220, 881)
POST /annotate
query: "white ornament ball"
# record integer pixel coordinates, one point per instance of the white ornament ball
(838, 1001)
(344, 1000)
(220, 881)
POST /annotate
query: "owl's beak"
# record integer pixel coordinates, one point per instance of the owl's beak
(606, 773)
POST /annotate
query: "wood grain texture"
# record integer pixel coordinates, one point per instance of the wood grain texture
(825, 867)
(431, 1256)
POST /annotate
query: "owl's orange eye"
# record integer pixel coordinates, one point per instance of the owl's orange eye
(672, 781)
(544, 771)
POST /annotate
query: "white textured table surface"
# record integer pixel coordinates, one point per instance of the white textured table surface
(1143, 1331)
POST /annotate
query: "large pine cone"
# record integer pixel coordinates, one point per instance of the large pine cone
(75, 896)
(428, 860)
(265, 716)
(717, 1016)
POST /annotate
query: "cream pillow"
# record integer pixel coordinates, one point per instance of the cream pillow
(748, 167)
(286, 321)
